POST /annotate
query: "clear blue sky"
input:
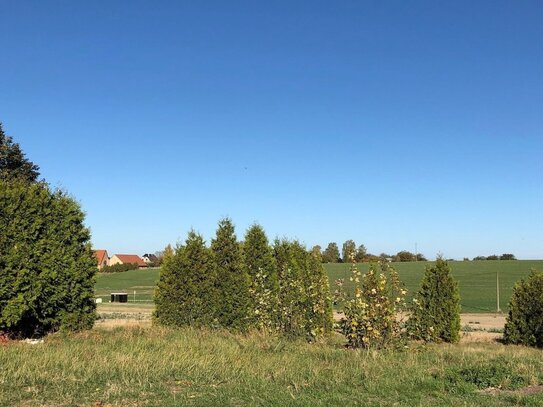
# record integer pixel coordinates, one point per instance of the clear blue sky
(390, 123)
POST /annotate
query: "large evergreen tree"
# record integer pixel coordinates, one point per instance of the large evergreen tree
(435, 315)
(185, 292)
(47, 267)
(264, 283)
(232, 281)
(13, 163)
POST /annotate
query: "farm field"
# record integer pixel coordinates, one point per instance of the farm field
(144, 366)
(477, 281)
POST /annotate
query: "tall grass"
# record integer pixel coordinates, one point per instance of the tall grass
(167, 367)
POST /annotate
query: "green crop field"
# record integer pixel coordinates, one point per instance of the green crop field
(477, 281)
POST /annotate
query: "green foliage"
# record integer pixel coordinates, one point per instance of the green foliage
(360, 255)
(119, 268)
(348, 250)
(320, 311)
(404, 256)
(13, 164)
(372, 314)
(524, 324)
(232, 280)
(435, 314)
(305, 308)
(184, 295)
(331, 254)
(507, 256)
(264, 281)
(47, 266)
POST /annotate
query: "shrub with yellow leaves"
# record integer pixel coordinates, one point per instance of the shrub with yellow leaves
(373, 311)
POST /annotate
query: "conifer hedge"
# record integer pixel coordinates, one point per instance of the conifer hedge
(281, 289)
(47, 267)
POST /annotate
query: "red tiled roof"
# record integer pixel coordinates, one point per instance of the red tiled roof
(100, 255)
(131, 258)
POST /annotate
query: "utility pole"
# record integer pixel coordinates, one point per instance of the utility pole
(416, 257)
(498, 291)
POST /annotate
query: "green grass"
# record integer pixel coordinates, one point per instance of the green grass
(477, 281)
(166, 367)
(142, 281)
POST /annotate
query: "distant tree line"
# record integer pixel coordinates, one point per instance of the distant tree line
(360, 254)
(117, 268)
(505, 256)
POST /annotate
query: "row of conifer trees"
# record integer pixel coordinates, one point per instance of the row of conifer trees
(236, 285)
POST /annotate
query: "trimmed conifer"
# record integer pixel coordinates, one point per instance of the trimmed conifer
(524, 324)
(184, 295)
(47, 267)
(232, 281)
(264, 283)
(435, 314)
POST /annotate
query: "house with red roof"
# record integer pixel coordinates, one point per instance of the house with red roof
(127, 258)
(102, 258)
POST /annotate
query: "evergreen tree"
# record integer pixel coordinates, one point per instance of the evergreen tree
(13, 164)
(524, 324)
(232, 281)
(264, 283)
(435, 315)
(47, 267)
(184, 295)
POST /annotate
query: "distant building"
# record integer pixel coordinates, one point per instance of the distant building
(127, 258)
(150, 258)
(102, 258)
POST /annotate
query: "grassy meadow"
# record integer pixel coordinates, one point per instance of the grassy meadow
(170, 367)
(477, 281)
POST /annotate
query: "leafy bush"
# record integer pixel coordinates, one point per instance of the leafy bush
(119, 268)
(264, 282)
(524, 324)
(372, 314)
(184, 295)
(305, 308)
(47, 266)
(435, 313)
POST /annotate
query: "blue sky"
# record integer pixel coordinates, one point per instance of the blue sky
(390, 123)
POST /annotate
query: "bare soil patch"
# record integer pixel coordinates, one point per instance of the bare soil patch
(115, 323)
(528, 390)
(490, 321)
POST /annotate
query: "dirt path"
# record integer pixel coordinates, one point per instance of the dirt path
(478, 322)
